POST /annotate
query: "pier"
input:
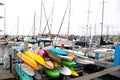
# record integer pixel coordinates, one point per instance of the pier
(5, 74)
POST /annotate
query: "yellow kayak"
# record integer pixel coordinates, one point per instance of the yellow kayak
(31, 62)
(74, 73)
(36, 57)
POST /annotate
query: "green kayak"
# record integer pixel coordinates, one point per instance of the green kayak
(22, 74)
(68, 63)
(71, 67)
(52, 72)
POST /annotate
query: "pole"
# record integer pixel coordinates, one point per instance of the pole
(88, 20)
(102, 18)
(18, 26)
(69, 20)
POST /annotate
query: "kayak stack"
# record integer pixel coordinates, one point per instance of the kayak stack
(52, 62)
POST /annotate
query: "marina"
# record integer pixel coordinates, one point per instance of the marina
(43, 53)
(100, 68)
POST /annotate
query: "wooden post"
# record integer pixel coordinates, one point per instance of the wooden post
(10, 63)
(25, 44)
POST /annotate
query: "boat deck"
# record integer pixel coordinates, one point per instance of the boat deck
(5, 74)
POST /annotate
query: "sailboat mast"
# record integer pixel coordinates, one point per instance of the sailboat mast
(40, 18)
(18, 26)
(69, 19)
(87, 26)
(4, 21)
(34, 24)
(102, 18)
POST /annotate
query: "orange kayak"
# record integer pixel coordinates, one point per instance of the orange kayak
(31, 62)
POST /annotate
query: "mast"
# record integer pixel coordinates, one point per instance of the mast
(69, 19)
(18, 26)
(40, 18)
(87, 26)
(102, 18)
(34, 23)
(4, 21)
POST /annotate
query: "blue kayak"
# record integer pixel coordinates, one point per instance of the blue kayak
(22, 74)
(58, 51)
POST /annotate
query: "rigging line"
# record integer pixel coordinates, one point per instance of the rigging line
(46, 18)
(11, 32)
(30, 30)
(62, 22)
(46, 23)
(32, 26)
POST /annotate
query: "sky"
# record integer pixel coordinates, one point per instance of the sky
(25, 9)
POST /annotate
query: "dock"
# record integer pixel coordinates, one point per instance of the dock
(97, 74)
(5, 74)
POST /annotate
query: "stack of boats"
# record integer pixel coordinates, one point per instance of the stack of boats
(39, 64)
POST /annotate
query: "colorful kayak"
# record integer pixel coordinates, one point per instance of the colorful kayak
(71, 55)
(54, 57)
(64, 70)
(27, 69)
(28, 60)
(71, 67)
(55, 64)
(52, 72)
(58, 51)
(66, 57)
(68, 63)
(74, 73)
(39, 52)
(37, 76)
(49, 64)
(22, 74)
(36, 57)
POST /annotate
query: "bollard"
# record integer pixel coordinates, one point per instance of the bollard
(96, 55)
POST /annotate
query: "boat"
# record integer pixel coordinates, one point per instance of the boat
(23, 75)
(49, 64)
(58, 51)
(74, 73)
(66, 57)
(36, 57)
(64, 70)
(54, 57)
(37, 75)
(39, 52)
(28, 60)
(55, 63)
(26, 68)
(52, 72)
(68, 63)
(3, 40)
